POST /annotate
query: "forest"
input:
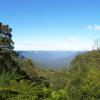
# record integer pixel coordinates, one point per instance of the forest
(21, 79)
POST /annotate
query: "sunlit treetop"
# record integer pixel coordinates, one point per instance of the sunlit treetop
(6, 37)
(5, 30)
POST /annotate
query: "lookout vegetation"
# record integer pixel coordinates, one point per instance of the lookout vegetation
(21, 79)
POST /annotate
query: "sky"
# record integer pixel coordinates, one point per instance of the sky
(52, 24)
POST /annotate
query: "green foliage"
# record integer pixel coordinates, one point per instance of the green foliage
(22, 80)
(29, 68)
(84, 77)
(29, 91)
(80, 82)
(8, 57)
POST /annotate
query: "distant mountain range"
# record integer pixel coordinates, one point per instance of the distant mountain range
(50, 59)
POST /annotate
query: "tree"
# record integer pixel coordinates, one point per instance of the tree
(8, 57)
(6, 37)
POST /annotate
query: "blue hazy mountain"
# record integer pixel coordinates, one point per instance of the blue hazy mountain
(50, 59)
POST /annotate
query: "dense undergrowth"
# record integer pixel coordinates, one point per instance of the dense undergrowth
(80, 82)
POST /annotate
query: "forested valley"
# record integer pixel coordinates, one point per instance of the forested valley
(21, 79)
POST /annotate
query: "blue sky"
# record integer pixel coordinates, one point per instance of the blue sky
(52, 24)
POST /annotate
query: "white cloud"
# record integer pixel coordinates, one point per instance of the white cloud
(71, 43)
(78, 44)
(97, 27)
(93, 27)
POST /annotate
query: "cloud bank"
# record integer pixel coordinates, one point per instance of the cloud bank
(71, 43)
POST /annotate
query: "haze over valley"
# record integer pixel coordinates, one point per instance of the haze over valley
(50, 59)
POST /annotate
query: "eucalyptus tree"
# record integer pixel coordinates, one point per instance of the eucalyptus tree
(8, 56)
